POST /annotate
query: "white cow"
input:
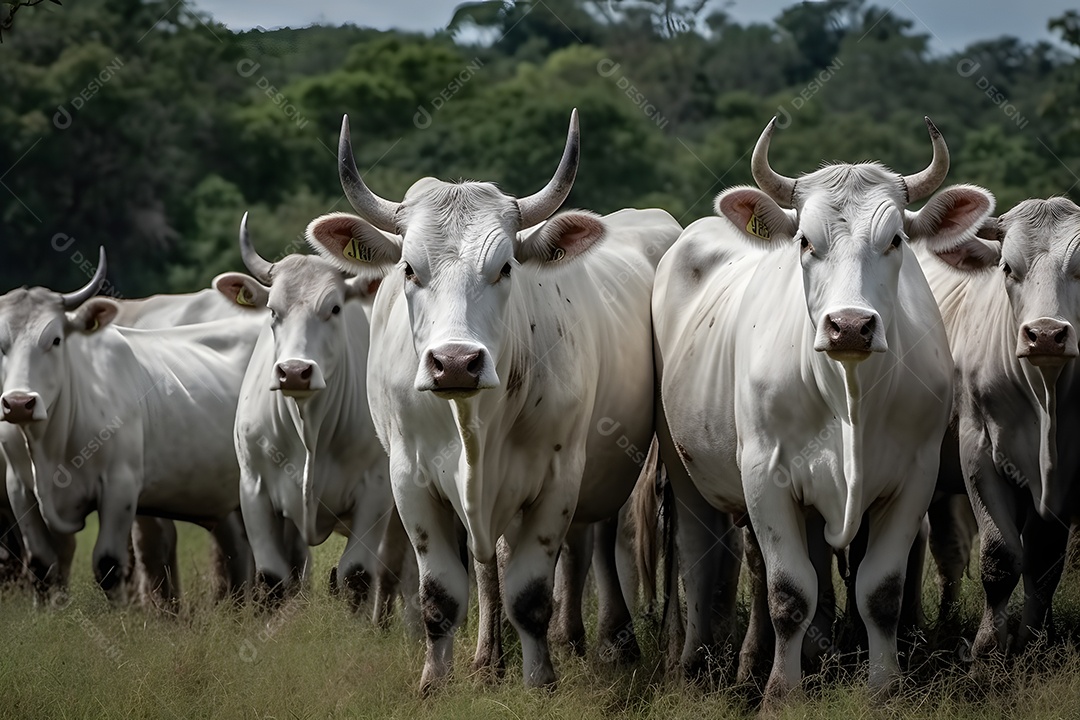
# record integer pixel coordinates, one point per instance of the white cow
(1011, 305)
(308, 453)
(806, 378)
(173, 310)
(496, 363)
(120, 420)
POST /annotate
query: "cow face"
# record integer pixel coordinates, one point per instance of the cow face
(456, 263)
(1034, 247)
(305, 296)
(849, 227)
(34, 332)
(453, 248)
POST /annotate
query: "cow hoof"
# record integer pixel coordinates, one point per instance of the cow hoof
(488, 668)
(270, 590)
(356, 585)
(109, 574)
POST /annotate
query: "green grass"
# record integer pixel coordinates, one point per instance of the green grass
(314, 659)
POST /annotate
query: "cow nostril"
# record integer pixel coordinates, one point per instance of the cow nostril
(30, 403)
(4, 402)
(1031, 334)
(1060, 337)
(834, 326)
(867, 328)
(282, 374)
(475, 364)
(436, 363)
(305, 374)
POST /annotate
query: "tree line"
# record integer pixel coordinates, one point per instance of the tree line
(150, 129)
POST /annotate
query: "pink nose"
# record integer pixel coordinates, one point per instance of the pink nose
(294, 375)
(1046, 338)
(18, 407)
(849, 330)
(456, 367)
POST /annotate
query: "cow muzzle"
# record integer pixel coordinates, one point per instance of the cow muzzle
(297, 378)
(455, 370)
(1047, 342)
(850, 335)
(21, 407)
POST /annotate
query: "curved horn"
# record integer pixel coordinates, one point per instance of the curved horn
(923, 184)
(779, 187)
(540, 206)
(255, 263)
(374, 209)
(72, 300)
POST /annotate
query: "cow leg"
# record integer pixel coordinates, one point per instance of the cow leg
(617, 640)
(700, 532)
(1000, 559)
(879, 582)
(757, 647)
(792, 581)
(444, 582)
(360, 562)
(393, 547)
(154, 542)
(530, 575)
(11, 550)
(233, 551)
(911, 610)
(952, 527)
(266, 533)
(116, 514)
(818, 639)
(1045, 543)
(625, 561)
(490, 661)
(571, 574)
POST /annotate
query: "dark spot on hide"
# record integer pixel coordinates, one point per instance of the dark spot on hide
(439, 609)
(532, 327)
(885, 603)
(712, 321)
(558, 447)
(538, 400)
(682, 453)
(518, 369)
(532, 608)
(788, 606)
(695, 274)
(421, 541)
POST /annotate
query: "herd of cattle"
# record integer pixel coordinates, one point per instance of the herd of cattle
(481, 375)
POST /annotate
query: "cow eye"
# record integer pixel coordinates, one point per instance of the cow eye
(805, 244)
(55, 341)
(896, 241)
(409, 274)
(336, 309)
(1006, 269)
(506, 270)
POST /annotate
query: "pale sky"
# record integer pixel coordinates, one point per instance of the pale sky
(952, 24)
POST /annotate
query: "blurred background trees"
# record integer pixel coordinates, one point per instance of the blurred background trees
(150, 129)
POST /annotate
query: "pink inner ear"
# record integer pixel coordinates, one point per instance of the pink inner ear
(338, 230)
(959, 215)
(577, 233)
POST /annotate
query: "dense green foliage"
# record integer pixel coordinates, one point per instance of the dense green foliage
(149, 129)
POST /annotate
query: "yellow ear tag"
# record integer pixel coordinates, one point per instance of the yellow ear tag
(557, 254)
(94, 327)
(757, 227)
(242, 297)
(361, 253)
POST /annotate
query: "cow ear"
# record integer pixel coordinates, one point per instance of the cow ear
(950, 216)
(362, 288)
(242, 289)
(353, 243)
(92, 315)
(561, 239)
(755, 214)
(971, 254)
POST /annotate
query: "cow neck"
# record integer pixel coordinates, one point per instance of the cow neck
(50, 446)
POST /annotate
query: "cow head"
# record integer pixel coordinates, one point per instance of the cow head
(35, 325)
(305, 295)
(1034, 245)
(455, 249)
(849, 223)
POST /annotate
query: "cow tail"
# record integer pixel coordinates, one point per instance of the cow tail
(645, 511)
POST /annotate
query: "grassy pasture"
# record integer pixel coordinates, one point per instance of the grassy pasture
(314, 660)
